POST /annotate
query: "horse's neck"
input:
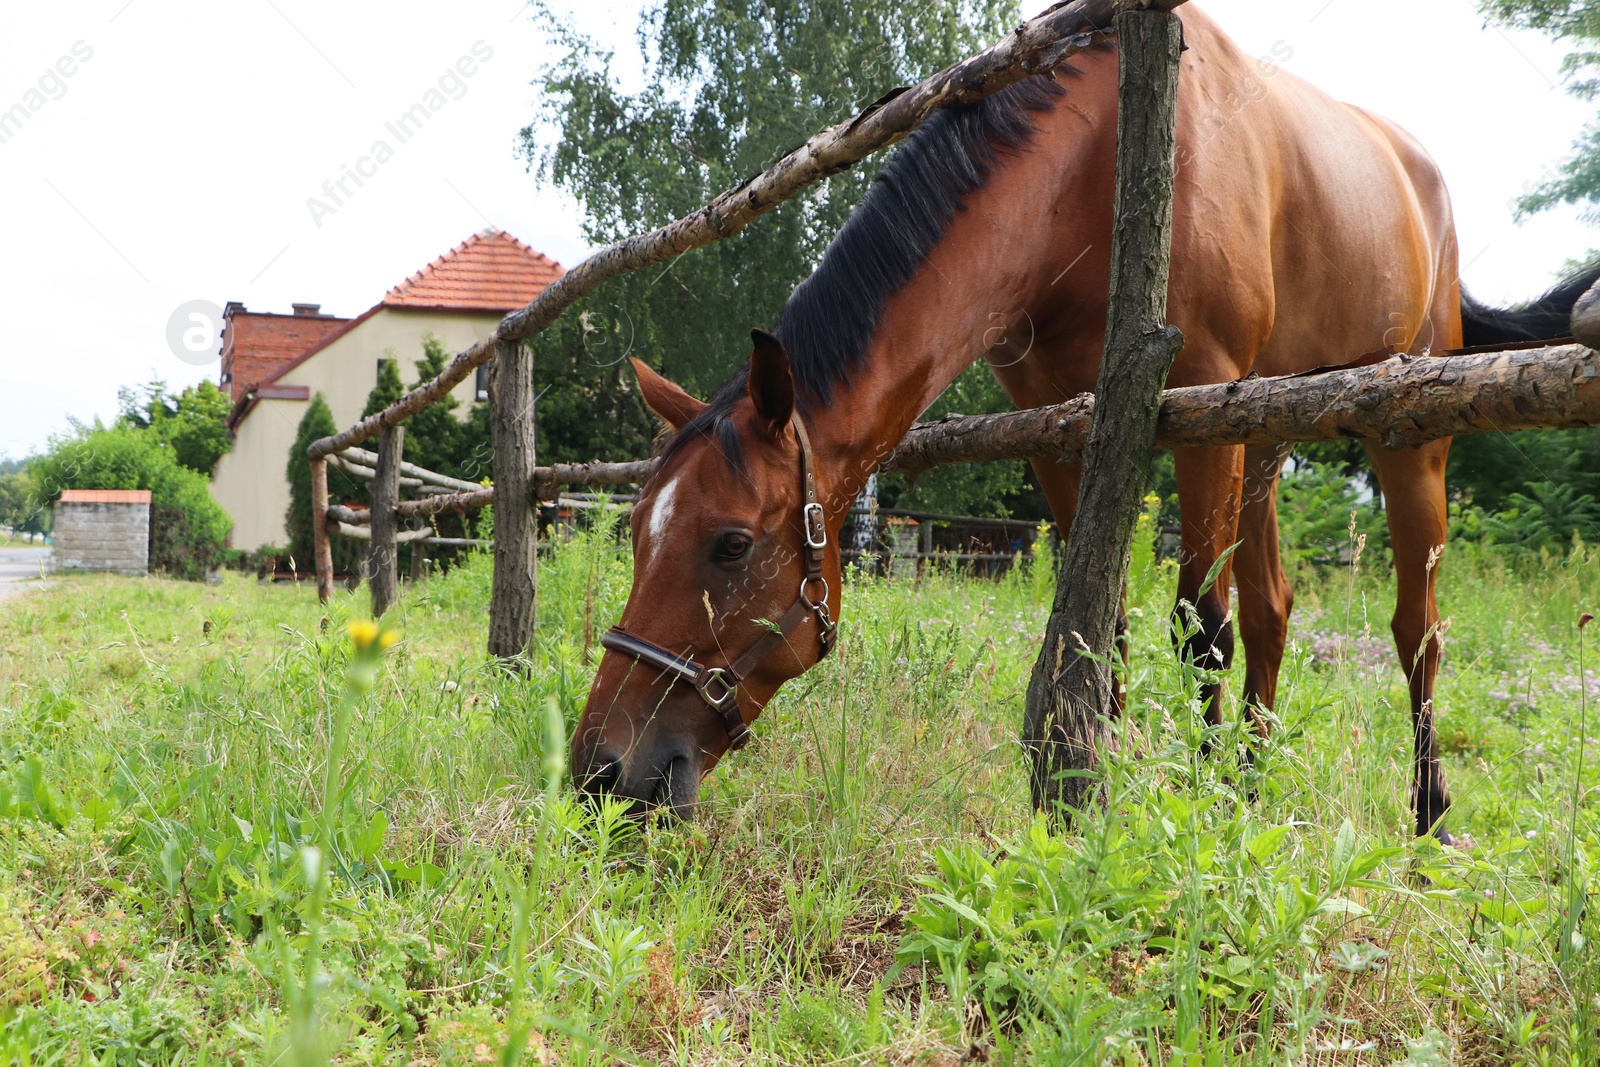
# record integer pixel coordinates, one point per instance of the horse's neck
(950, 314)
(970, 294)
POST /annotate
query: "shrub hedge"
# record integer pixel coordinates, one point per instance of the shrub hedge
(188, 528)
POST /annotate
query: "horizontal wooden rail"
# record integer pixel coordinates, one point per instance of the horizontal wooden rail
(363, 464)
(1402, 401)
(356, 470)
(1399, 402)
(364, 533)
(430, 506)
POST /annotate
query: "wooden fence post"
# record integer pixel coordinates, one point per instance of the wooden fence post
(513, 598)
(1071, 693)
(321, 550)
(383, 559)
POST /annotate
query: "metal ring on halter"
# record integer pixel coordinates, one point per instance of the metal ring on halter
(716, 676)
(814, 605)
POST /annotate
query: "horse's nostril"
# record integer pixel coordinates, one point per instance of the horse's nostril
(602, 778)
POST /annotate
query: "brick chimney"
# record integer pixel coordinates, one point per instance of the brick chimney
(307, 311)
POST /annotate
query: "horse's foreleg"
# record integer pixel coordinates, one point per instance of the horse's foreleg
(1414, 497)
(1209, 485)
(1265, 598)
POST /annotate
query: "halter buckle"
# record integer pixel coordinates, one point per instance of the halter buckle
(718, 688)
(816, 525)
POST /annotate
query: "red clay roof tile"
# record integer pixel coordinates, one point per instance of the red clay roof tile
(105, 496)
(489, 271)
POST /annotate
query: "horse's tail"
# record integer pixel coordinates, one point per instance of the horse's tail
(1548, 318)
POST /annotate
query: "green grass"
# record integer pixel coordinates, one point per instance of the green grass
(182, 880)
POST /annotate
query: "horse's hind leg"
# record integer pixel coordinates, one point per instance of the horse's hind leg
(1265, 598)
(1209, 485)
(1414, 497)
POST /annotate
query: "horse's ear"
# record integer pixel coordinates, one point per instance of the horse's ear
(771, 383)
(665, 398)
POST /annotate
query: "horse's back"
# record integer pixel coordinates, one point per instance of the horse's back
(1337, 214)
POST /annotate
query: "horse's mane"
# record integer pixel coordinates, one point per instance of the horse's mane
(832, 315)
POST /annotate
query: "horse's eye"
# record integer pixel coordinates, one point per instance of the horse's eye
(731, 546)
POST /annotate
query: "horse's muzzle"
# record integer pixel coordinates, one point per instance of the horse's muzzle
(667, 780)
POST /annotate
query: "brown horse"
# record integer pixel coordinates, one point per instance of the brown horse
(1307, 233)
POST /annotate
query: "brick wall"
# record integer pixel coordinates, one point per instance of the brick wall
(102, 537)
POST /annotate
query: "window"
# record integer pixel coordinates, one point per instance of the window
(482, 392)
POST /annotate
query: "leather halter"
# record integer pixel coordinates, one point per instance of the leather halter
(719, 686)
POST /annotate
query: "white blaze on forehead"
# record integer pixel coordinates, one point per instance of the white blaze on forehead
(661, 510)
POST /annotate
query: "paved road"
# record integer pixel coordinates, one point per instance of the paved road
(18, 564)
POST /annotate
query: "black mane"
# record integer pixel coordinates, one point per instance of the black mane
(832, 315)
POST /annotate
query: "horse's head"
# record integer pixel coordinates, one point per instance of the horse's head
(735, 586)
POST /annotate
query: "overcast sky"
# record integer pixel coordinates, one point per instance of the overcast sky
(175, 161)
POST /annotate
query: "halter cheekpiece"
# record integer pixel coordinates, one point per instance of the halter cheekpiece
(719, 686)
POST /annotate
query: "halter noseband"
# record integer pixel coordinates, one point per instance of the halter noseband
(719, 686)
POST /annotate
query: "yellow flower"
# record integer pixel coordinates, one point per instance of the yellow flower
(362, 631)
(388, 638)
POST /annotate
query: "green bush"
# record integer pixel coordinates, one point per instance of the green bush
(1321, 514)
(19, 504)
(194, 422)
(188, 529)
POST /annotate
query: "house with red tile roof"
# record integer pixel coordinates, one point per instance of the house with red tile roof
(274, 364)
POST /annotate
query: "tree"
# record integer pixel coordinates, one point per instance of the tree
(588, 405)
(435, 436)
(729, 85)
(20, 508)
(193, 422)
(1576, 23)
(388, 389)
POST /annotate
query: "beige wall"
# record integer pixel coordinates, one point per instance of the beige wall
(250, 481)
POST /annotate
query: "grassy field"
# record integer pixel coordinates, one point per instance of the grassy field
(225, 837)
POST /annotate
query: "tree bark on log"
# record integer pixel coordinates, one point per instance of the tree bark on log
(1071, 691)
(513, 601)
(550, 479)
(383, 559)
(1404, 401)
(428, 507)
(320, 548)
(1039, 45)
